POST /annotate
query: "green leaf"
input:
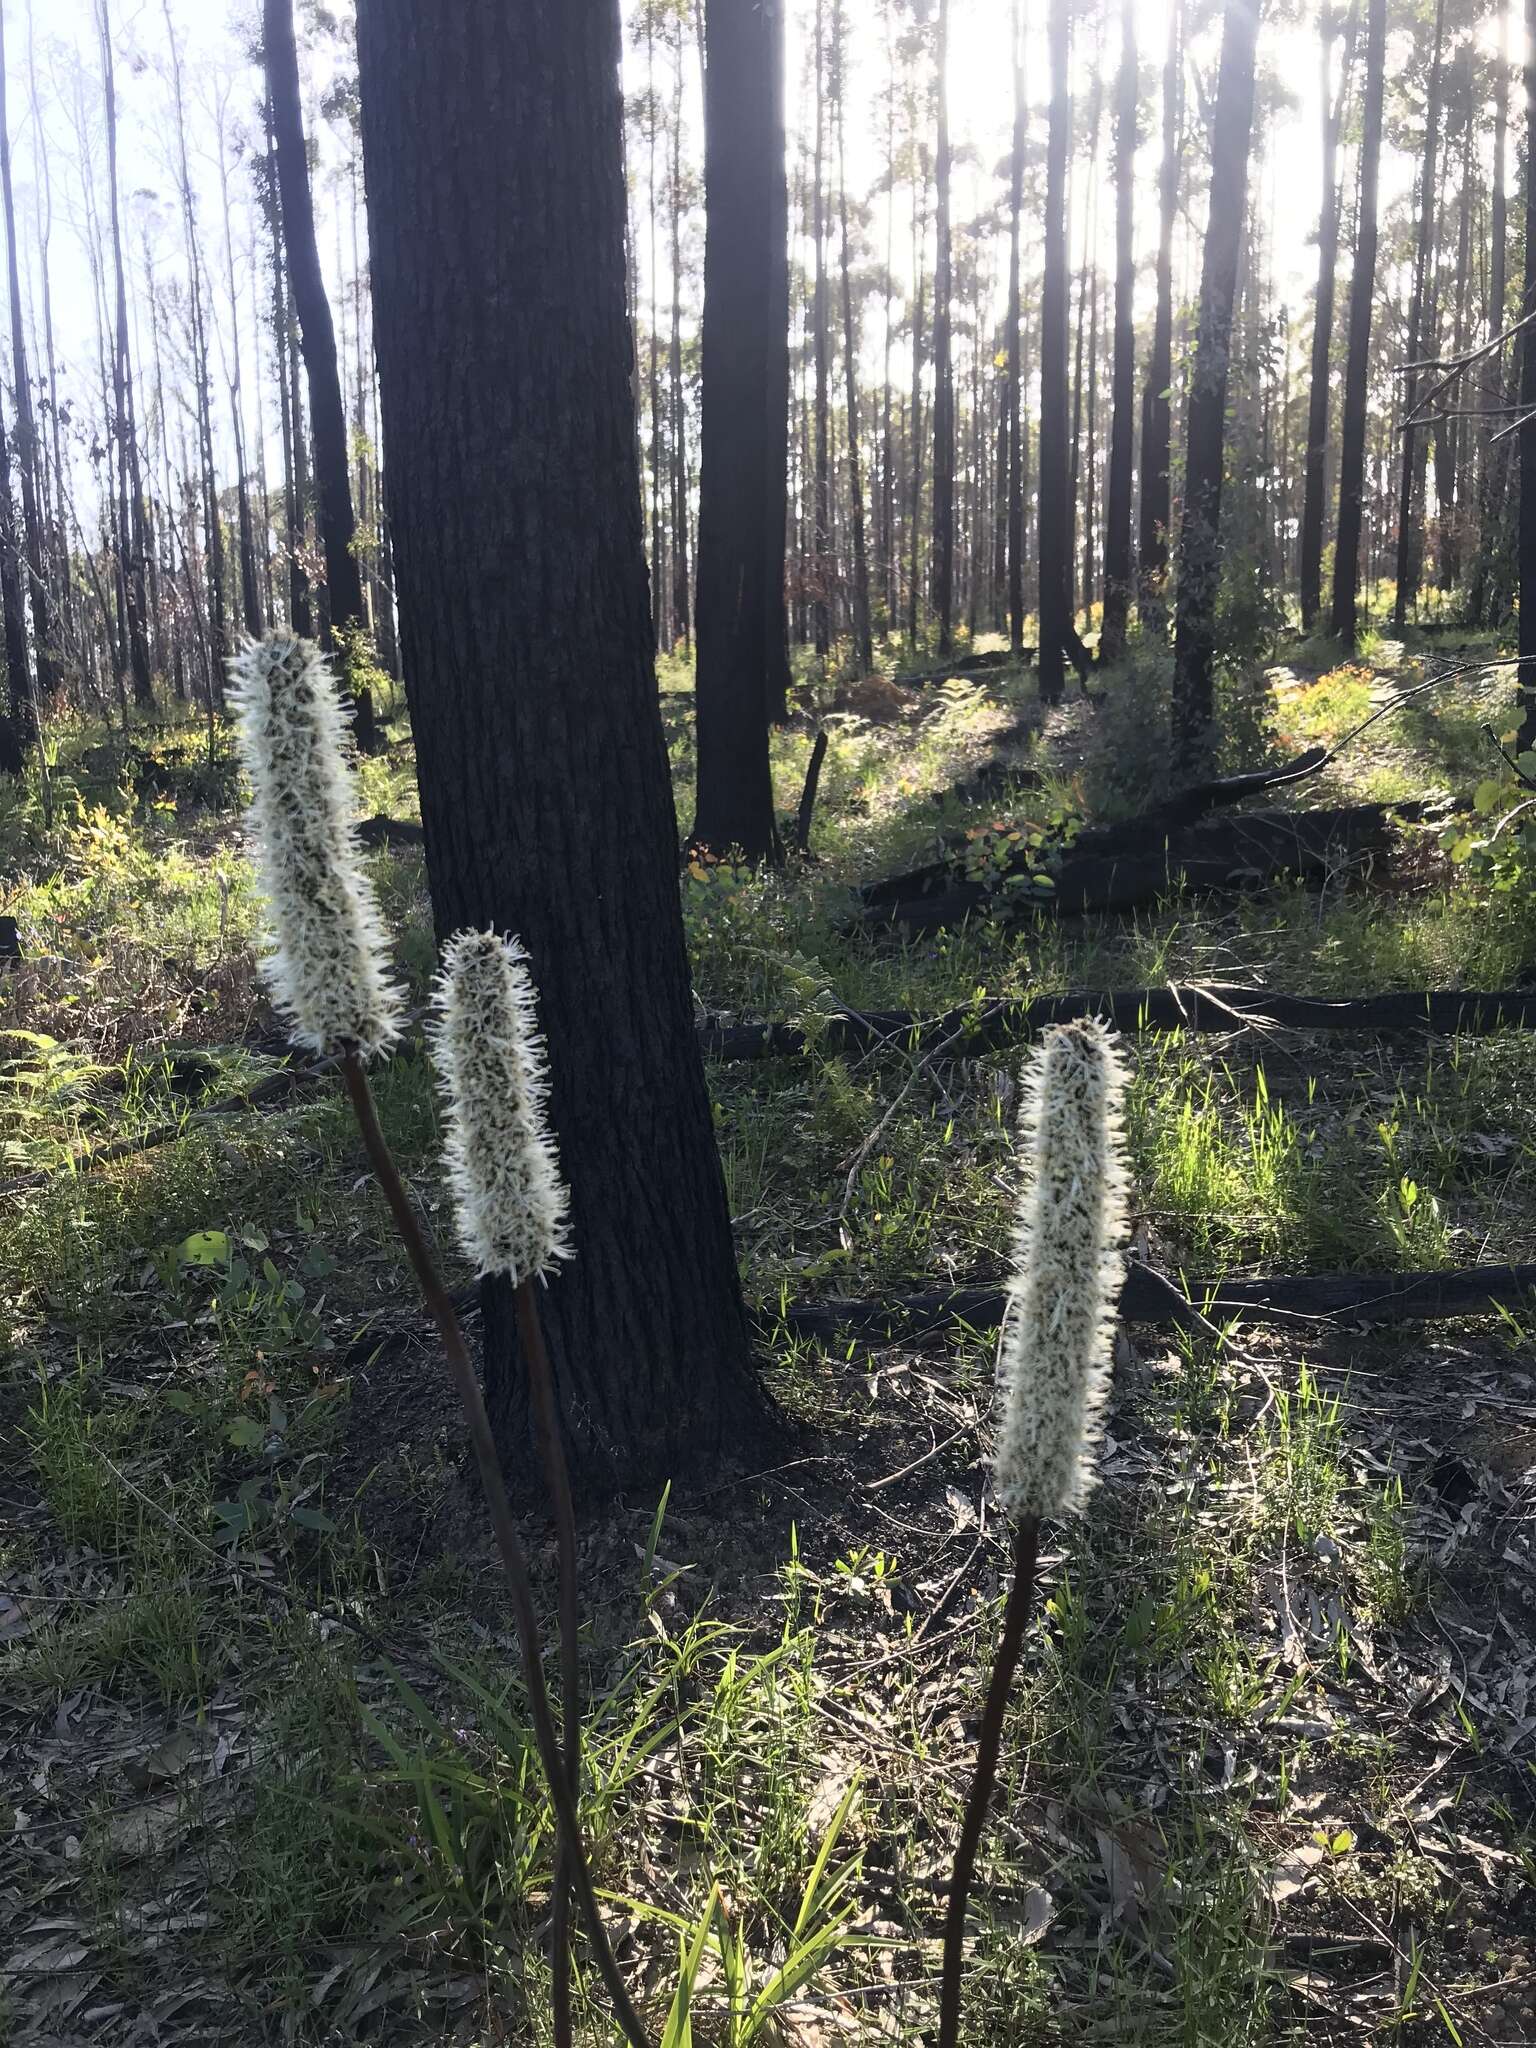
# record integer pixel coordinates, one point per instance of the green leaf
(246, 1433)
(204, 1248)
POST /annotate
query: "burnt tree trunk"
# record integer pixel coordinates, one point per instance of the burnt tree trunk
(943, 365)
(1122, 431)
(1352, 435)
(1525, 545)
(493, 150)
(26, 429)
(863, 635)
(1054, 531)
(1199, 530)
(1410, 496)
(317, 338)
(1015, 390)
(130, 489)
(1316, 481)
(1157, 409)
(739, 602)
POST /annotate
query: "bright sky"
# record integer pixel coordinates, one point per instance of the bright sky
(212, 36)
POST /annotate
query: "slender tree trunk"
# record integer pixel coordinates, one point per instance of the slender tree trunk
(1015, 387)
(26, 431)
(493, 142)
(821, 540)
(1352, 437)
(317, 337)
(1488, 596)
(682, 600)
(1316, 487)
(1157, 407)
(863, 636)
(1055, 550)
(943, 365)
(915, 436)
(1526, 540)
(739, 601)
(130, 494)
(1410, 502)
(292, 425)
(250, 586)
(1199, 530)
(776, 375)
(1117, 527)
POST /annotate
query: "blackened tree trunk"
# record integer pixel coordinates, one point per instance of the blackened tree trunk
(1054, 543)
(18, 721)
(1199, 529)
(130, 491)
(1352, 435)
(1157, 407)
(821, 533)
(863, 636)
(776, 343)
(1316, 484)
(1526, 540)
(1117, 522)
(1015, 391)
(682, 589)
(493, 151)
(915, 437)
(26, 431)
(1488, 593)
(291, 425)
(317, 338)
(1410, 497)
(739, 615)
(943, 364)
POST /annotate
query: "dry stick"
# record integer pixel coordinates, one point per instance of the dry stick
(557, 1478)
(1026, 1544)
(514, 1562)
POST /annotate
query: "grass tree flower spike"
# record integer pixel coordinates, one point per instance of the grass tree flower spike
(511, 1203)
(326, 967)
(1053, 1369)
(1054, 1356)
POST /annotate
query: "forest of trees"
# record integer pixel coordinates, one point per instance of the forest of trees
(1086, 408)
(846, 419)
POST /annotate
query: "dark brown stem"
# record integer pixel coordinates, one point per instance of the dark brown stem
(557, 1478)
(507, 1541)
(1015, 1619)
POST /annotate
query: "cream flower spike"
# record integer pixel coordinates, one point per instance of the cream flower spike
(326, 967)
(1055, 1352)
(511, 1202)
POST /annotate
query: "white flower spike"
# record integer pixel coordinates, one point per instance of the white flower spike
(326, 967)
(1055, 1353)
(511, 1202)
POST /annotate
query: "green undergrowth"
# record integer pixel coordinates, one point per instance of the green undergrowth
(263, 1682)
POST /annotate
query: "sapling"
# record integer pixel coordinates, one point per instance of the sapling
(1053, 1367)
(327, 973)
(512, 1210)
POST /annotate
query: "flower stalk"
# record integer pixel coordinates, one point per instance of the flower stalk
(1054, 1358)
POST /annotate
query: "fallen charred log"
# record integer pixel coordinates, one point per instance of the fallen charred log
(990, 1027)
(1151, 1297)
(1129, 867)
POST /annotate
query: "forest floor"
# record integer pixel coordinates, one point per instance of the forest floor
(1269, 1768)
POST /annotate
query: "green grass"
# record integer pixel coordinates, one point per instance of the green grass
(239, 1519)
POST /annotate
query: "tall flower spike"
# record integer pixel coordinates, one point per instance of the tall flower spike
(326, 966)
(511, 1202)
(1055, 1352)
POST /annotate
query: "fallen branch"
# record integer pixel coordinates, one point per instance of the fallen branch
(807, 808)
(382, 831)
(1131, 867)
(1212, 1007)
(1151, 1297)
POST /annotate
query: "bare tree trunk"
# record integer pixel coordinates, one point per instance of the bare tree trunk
(1117, 526)
(1055, 547)
(943, 365)
(862, 634)
(1316, 488)
(1199, 530)
(26, 432)
(682, 602)
(130, 493)
(1015, 390)
(317, 337)
(1526, 542)
(1157, 409)
(1352, 438)
(821, 537)
(1410, 502)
